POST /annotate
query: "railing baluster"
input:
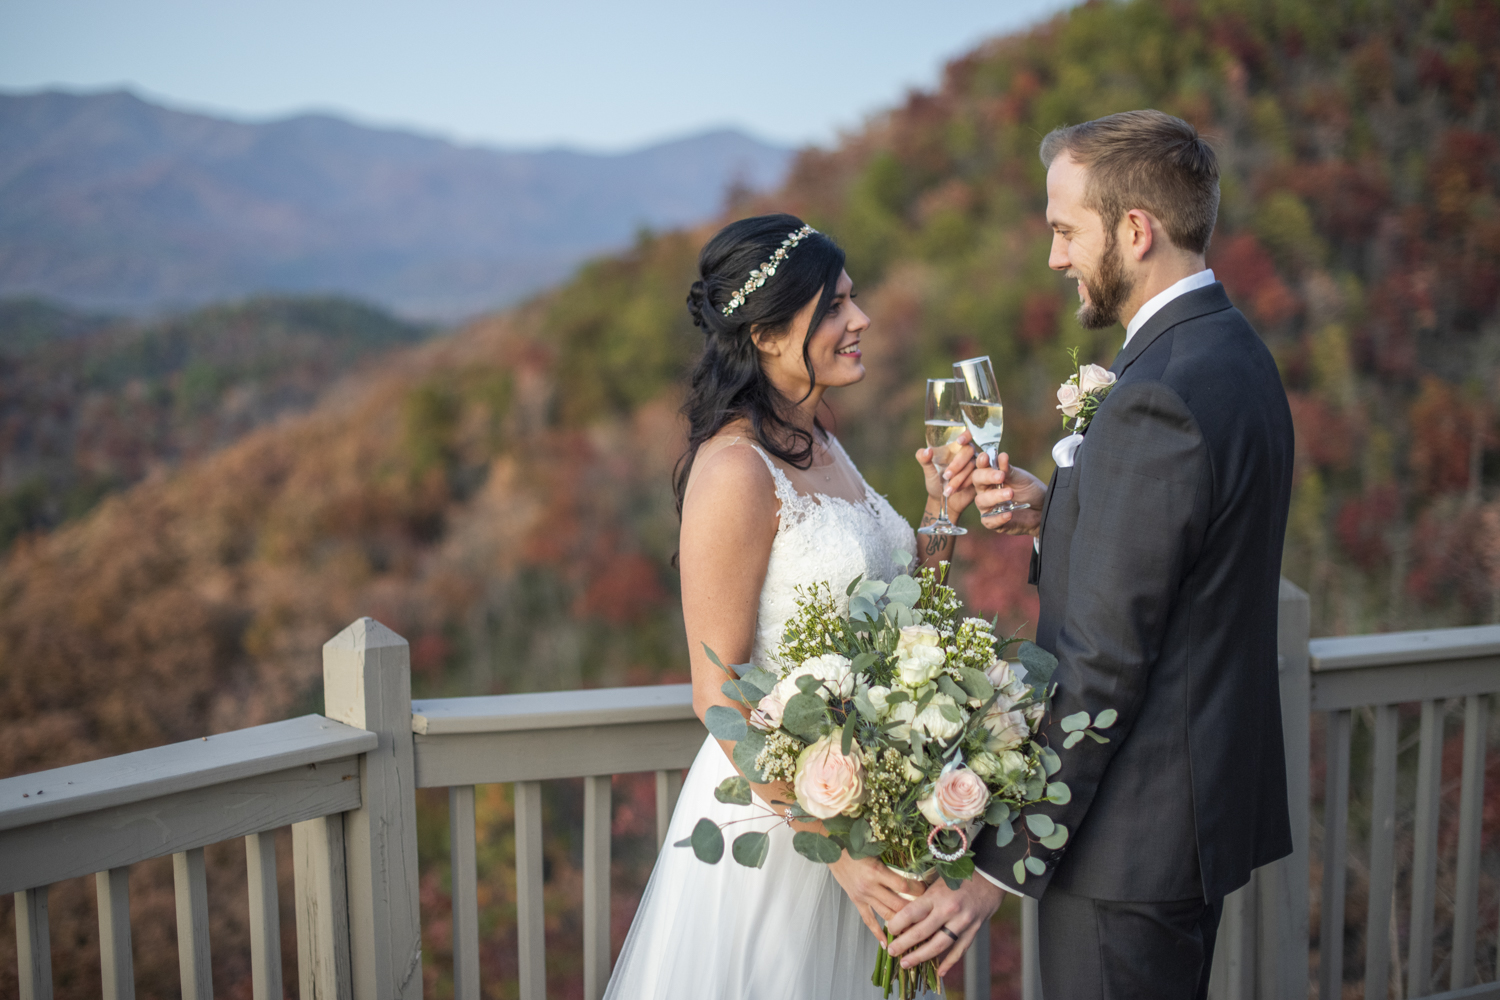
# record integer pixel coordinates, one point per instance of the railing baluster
(531, 937)
(34, 944)
(265, 916)
(461, 839)
(1382, 854)
(1031, 955)
(323, 960)
(113, 889)
(1424, 853)
(596, 823)
(977, 966)
(1335, 854)
(668, 787)
(191, 883)
(1470, 819)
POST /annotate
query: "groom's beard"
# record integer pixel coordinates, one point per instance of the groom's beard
(1108, 290)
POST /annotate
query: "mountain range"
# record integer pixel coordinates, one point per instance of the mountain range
(110, 202)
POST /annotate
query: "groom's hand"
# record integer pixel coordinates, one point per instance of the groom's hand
(1008, 482)
(965, 911)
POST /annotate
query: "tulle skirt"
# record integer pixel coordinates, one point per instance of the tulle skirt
(784, 931)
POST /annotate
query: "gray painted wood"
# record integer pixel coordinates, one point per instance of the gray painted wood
(977, 966)
(1392, 685)
(668, 788)
(1235, 958)
(193, 961)
(1424, 851)
(367, 684)
(1335, 853)
(465, 868)
(123, 834)
(503, 757)
(1031, 956)
(1485, 991)
(1382, 854)
(265, 916)
(1470, 820)
(531, 929)
(29, 799)
(553, 710)
(33, 944)
(596, 833)
(323, 966)
(1392, 648)
(117, 965)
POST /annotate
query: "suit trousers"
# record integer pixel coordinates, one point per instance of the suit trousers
(1096, 949)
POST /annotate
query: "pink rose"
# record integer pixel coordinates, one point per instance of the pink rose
(1092, 377)
(1008, 729)
(1069, 399)
(828, 783)
(769, 710)
(958, 796)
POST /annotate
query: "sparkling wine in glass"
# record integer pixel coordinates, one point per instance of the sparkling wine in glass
(944, 426)
(984, 414)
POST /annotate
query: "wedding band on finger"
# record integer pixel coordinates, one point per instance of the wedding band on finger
(950, 934)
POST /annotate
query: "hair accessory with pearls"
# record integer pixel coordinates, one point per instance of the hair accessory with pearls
(760, 274)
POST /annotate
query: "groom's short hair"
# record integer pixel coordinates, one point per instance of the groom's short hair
(1145, 159)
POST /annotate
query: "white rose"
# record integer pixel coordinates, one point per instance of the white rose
(934, 723)
(878, 694)
(1007, 729)
(1092, 377)
(1069, 399)
(832, 669)
(999, 674)
(985, 764)
(913, 775)
(1012, 765)
(903, 714)
(914, 636)
(919, 665)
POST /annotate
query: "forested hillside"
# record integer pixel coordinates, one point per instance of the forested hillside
(500, 497)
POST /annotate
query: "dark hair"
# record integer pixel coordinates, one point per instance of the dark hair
(727, 383)
(1150, 160)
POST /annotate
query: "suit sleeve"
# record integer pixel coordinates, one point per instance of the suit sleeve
(1142, 482)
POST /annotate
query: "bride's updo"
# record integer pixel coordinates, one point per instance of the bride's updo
(727, 383)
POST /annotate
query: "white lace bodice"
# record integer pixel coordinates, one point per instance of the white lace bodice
(824, 539)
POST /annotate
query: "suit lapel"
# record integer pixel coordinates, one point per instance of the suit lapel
(1198, 302)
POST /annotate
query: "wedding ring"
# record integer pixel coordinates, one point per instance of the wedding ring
(950, 934)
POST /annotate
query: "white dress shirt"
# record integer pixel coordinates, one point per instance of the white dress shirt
(1066, 450)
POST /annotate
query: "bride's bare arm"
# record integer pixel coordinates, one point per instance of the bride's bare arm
(933, 549)
(728, 524)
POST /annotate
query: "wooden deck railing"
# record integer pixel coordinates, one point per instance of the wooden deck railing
(347, 785)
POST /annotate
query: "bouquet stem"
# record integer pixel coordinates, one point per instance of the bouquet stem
(890, 974)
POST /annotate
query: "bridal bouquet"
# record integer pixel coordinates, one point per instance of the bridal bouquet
(903, 729)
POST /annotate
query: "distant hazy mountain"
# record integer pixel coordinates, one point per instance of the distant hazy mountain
(109, 202)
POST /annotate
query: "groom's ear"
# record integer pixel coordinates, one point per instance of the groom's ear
(1140, 233)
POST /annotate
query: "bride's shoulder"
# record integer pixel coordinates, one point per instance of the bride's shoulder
(729, 471)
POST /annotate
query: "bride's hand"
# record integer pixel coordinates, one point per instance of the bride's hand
(873, 888)
(958, 473)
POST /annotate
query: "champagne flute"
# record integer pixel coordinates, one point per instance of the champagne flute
(944, 427)
(984, 414)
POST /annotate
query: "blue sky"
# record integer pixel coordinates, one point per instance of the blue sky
(588, 74)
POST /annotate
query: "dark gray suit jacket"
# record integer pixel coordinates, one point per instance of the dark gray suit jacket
(1160, 556)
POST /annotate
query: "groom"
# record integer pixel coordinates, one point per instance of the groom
(1157, 559)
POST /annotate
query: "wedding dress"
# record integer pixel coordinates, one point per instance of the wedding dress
(785, 931)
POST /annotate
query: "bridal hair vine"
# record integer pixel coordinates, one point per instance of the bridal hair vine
(760, 274)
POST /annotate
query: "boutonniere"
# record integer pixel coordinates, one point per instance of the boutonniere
(1079, 397)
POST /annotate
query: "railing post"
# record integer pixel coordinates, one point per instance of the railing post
(1282, 888)
(367, 683)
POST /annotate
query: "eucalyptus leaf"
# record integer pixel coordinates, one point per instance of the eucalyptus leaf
(1020, 872)
(743, 692)
(904, 590)
(1051, 762)
(808, 684)
(904, 616)
(862, 703)
(734, 790)
(1059, 793)
(1073, 723)
(872, 590)
(1095, 736)
(1106, 718)
(997, 813)
(763, 679)
(846, 742)
(1034, 788)
(1004, 834)
(945, 684)
(1057, 838)
(1072, 740)
(684, 842)
(750, 849)
(725, 723)
(1039, 824)
(745, 752)
(863, 662)
(803, 715)
(902, 558)
(897, 697)
(714, 659)
(950, 712)
(1039, 663)
(708, 841)
(1035, 866)
(853, 585)
(813, 847)
(976, 684)
(861, 608)
(839, 826)
(859, 835)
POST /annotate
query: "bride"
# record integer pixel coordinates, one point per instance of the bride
(769, 500)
